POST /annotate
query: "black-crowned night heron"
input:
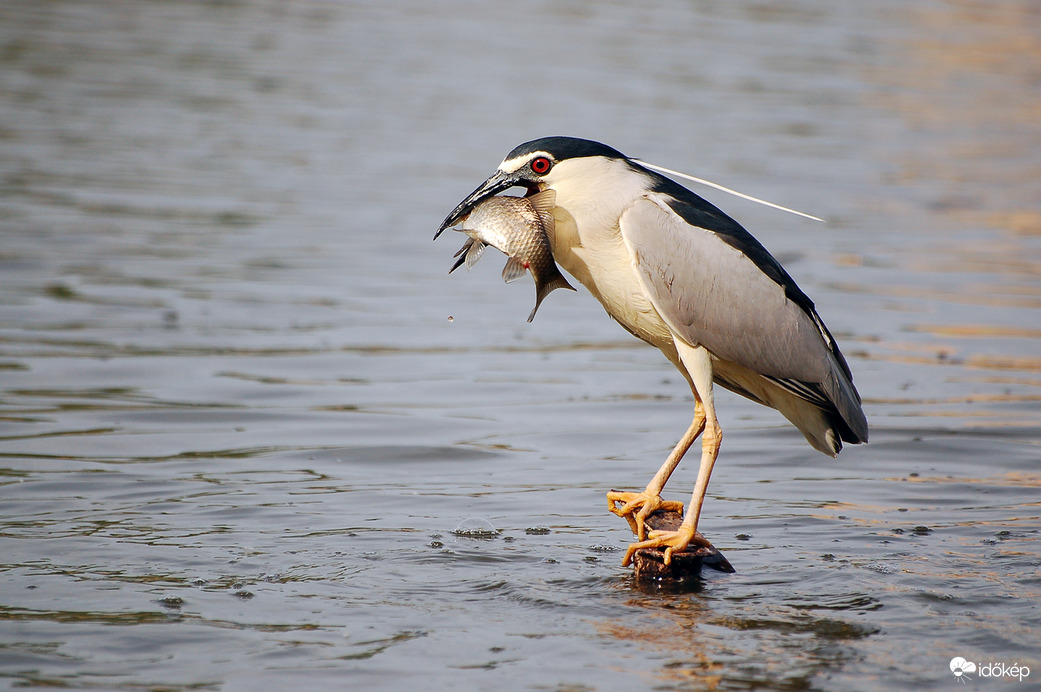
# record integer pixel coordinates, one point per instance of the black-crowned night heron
(675, 271)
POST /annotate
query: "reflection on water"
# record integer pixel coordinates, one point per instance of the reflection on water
(238, 428)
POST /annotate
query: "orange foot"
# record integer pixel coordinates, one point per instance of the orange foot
(647, 503)
(672, 541)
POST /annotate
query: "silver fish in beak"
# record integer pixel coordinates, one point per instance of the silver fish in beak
(519, 228)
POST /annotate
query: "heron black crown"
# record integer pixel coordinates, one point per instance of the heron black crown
(561, 148)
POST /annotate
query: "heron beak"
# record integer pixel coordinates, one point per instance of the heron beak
(494, 185)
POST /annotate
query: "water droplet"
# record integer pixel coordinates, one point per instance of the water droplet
(603, 548)
(475, 527)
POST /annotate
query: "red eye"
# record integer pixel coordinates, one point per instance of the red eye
(540, 165)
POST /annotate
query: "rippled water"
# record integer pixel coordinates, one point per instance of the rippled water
(238, 428)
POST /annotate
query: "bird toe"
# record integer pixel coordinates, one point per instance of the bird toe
(636, 507)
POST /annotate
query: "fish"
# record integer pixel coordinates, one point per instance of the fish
(518, 227)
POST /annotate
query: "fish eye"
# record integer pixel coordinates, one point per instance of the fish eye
(540, 165)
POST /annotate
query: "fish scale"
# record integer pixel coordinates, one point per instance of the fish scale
(518, 227)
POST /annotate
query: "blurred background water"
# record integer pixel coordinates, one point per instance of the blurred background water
(238, 426)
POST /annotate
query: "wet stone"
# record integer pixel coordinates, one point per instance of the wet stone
(649, 563)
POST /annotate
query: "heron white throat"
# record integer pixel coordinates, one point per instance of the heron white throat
(683, 276)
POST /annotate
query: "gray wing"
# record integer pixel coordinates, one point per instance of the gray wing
(712, 294)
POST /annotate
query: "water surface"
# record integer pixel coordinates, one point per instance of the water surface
(238, 426)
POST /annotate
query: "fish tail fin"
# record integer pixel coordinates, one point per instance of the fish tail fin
(545, 289)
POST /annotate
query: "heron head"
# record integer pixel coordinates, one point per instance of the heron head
(531, 165)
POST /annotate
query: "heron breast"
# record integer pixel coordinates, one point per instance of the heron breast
(592, 251)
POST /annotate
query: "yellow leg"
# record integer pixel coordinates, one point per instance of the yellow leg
(698, 364)
(650, 500)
